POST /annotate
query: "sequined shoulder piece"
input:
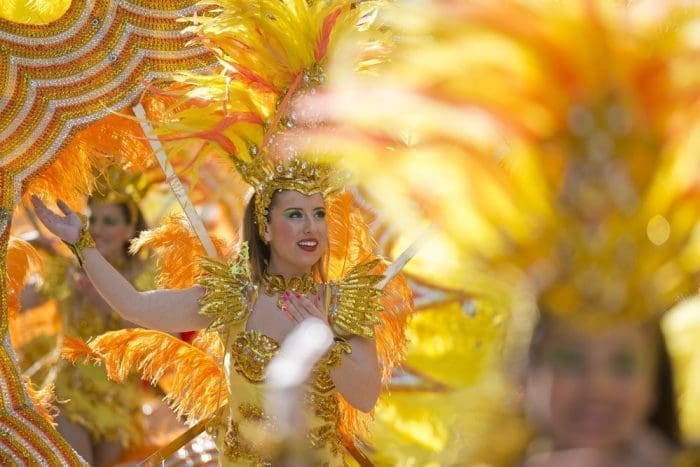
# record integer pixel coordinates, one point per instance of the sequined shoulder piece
(354, 302)
(230, 292)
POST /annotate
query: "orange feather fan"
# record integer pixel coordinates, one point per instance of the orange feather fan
(197, 386)
(43, 399)
(115, 140)
(22, 260)
(179, 251)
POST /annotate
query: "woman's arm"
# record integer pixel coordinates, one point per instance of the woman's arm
(358, 377)
(165, 310)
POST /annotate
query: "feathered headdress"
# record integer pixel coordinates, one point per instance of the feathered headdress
(116, 186)
(271, 53)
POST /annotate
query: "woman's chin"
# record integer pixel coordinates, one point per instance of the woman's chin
(599, 439)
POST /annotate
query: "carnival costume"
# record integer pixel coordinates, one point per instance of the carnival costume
(568, 132)
(271, 52)
(108, 411)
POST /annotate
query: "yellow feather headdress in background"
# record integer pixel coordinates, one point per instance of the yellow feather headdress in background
(552, 143)
(555, 148)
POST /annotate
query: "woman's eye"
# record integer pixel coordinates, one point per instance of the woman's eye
(293, 214)
(110, 221)
(91, 220)
(625, 364)
(566, 360)
(320, 214)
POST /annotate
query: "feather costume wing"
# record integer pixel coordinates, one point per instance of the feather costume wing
(22, 260)
(179, 251)
(197, 386)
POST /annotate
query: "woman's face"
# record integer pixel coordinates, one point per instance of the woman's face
(591, 389)
(296, 232)
(110, 229)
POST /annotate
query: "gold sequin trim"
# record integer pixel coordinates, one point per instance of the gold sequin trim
(353, 303)
(321, 372)
(229, 291)
(252, 352)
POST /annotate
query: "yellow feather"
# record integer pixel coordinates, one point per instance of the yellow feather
(350, 242)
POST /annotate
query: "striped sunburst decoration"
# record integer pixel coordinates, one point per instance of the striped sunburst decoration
(62, 76)
(56, 79)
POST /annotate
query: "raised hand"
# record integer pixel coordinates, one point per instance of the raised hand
(66, 227)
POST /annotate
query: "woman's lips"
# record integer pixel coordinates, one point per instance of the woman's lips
(308, 244)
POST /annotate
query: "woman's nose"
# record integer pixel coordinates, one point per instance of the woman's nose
(95, 227)
(308, 226)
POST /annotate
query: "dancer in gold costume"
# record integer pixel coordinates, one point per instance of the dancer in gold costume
(98, 417)
(306, 251)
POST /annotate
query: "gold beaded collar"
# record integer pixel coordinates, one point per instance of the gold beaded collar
(277, 284)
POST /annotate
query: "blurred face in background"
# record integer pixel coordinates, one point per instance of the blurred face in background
(588, 388)
(110, 229)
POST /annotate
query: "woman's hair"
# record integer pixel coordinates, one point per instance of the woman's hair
(129, 212)
(664, 413)
(258, 250)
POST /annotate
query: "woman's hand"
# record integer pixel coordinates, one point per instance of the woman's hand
(66, 227)
(298, 307)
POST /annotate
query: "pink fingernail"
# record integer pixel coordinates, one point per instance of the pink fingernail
(298, 295)
(286, 293)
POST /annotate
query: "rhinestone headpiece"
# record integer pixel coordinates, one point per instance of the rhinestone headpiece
(305, 175)
(115, 186)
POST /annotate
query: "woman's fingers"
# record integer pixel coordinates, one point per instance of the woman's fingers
(44, 213)
(39, 206)
(65, 227)
(306, 307)
(292, 311)
(64, 207)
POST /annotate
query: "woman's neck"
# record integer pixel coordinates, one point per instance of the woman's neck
(287, 272)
